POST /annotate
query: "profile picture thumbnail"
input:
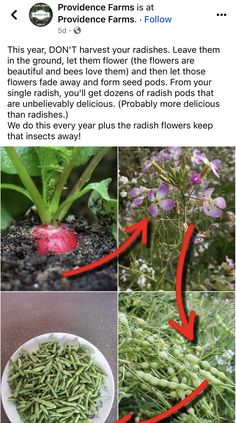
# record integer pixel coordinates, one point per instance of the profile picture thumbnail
(40, 14)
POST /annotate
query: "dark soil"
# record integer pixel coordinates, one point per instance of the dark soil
(24, 270)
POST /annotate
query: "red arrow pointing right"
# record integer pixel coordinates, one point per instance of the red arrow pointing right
(139, 228)
(187, 327)
(171, 410)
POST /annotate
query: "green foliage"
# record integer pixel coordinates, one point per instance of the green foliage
(101, 188)
(53, 165)
(29, 158)
(158, 367)
(104, 207)
(6, 218)
(85, 154)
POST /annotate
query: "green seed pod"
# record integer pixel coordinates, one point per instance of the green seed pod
(162, 344)
(181, 367)
(173, 394)
(191, 411)
(159, 169)
(141, 342)
(180, 393)
(163, 383)
(223, 325)
(154, 366)
(192, 358)
(195, 367)
(195, 381)
(124, 321)
(141, 322)
(128, 375)
(216, 372)
(147, 377)
(171, 371)
(173, 385)
(205, 365)
(151, 339)
(145, 366)
(209, 376)
(213, 370)
(183, 386)
(178, 352)
(144, 387)
(164, 355)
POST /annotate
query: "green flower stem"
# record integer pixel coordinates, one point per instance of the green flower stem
(138, 272)
(153, 237)
(54, 204)
(29, 185)
(84, 178)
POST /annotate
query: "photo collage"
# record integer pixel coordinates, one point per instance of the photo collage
(117, 280)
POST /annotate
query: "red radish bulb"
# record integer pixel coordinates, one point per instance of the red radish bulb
(54, 239)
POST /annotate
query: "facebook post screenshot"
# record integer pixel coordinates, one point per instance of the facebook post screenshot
(117, 211)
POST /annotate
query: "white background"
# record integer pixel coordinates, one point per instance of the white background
(194, 24)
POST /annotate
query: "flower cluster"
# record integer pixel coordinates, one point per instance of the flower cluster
(171, 154)
(168, 164)
(176, 186)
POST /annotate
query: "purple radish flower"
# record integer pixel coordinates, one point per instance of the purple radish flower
(230, 262)
(198, 158)
(199, 238)
(175, 153)
(167, 204)
(138, 201)
(158, 198)
(153, 210)
(147, 168)
(151, 195)
(134, 192)
(216, 167)
(195, 178)
(213, 207)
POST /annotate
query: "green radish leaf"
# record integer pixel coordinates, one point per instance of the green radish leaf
(27, 155)
(100, 187)
(54, 165)
(85, 154)
(53, 161)
(6, 218)
(47, 162)
(29, 184)
(102, 207)
(16, 188)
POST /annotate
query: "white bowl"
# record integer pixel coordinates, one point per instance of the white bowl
(32, 345)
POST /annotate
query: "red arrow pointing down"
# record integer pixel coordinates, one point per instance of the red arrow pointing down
(187, 327)
(139, 228)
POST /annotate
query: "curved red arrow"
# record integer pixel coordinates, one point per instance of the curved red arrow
(139, 228)
(173, 409)
(187, 327)
(187, 330)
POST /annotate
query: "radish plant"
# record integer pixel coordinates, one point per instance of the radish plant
(54, 166)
